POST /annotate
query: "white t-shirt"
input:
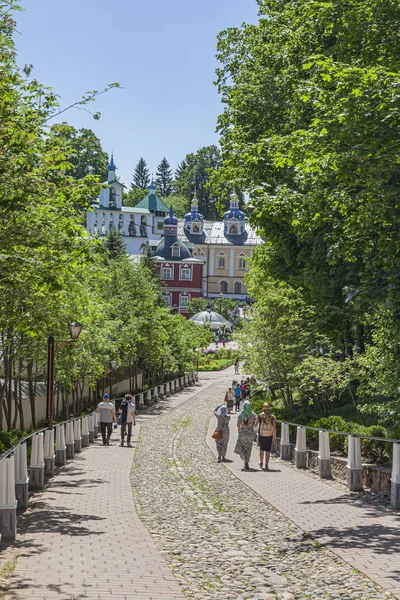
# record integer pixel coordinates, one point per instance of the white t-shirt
(106, 412)
(130, 413)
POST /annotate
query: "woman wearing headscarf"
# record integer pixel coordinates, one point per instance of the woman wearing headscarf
(221, 412)
(245, 424)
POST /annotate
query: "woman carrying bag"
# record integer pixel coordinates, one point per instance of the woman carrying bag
(221, 434)
(245, 424)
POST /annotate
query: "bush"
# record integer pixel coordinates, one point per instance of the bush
(8, 438)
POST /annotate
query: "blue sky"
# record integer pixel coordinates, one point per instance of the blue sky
(161, 52)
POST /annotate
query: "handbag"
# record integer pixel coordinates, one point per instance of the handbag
(217, 435)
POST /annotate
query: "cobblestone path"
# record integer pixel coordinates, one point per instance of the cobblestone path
(221, 539)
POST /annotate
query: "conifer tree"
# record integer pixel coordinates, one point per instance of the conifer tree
(115, 244)
(141, 175)
(164, 178)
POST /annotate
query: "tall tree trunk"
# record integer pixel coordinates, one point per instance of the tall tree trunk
(20, 403)
(348, 340)
(360, 345)
(29, 370)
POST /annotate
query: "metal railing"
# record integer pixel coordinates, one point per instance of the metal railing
(51, 447)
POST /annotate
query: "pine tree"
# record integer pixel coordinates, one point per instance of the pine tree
(164, 178)
(141, 175)
(115, 244)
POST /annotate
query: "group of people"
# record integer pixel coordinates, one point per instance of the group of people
(108, 418)
(248, 423)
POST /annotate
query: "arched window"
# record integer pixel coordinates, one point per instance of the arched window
(242, 264)
(238, 287)
(223, 287)
(113, 198)
(221, 263)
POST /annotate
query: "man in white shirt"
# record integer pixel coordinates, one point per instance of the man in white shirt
(107, 417)
(127, 412)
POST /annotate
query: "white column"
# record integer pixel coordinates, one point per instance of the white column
(49, 455)
(21, 475)
(285, 447)
(211, 265)
(115, 217)
(107, 223)
(90, 216)
(300, 451)
(324, 455)
(354, 469)
(36, 472)
(395, 478)
(231, 262)
(125, 225)
(8, 502)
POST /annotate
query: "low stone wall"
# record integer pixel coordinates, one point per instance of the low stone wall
(375, 478)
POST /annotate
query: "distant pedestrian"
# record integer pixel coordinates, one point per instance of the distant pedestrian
(244, 388)
(245, 424)
(266, 423)
(236, 366)
(107, 418)
(128, 418)
(237, 392)
(229, 397)
(221, 412)
(224, 342)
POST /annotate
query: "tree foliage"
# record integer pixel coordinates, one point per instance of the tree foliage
(83, 151)
(141, 175)
(310, 130)
(164, 180)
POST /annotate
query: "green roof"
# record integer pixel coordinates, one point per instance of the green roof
(153, 203)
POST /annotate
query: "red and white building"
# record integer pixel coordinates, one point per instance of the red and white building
(179, 271)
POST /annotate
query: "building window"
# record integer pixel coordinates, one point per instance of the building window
(186, 273)
(166, 273)
(238, 287)
(223, 286)
(221, 263)
(242, 264)
(167, 299)
(113, 198)
(176, 251)
(184, 301)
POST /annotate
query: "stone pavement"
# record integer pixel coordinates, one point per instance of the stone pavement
(364, 535)
(85, 540)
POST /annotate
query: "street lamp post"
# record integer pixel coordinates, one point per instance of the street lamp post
(75, 329)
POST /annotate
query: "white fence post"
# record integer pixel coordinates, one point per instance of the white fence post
(77, 436)
(21, 475)
(61, 450)
(90, 428)
(36, 470)
(354, 469)
(70, 445)
(95, 416)
(285, 446)
(300, 451)
(141, 400)
(324, 455)
(148, 397)
(8, 502)
(395, 478)
(85, 432)
(49, 454)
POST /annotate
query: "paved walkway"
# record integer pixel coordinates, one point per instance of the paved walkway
(365, 536)
(84, 540)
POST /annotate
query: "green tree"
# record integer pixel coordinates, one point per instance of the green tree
(180, 204)
(84, 151)
(164, 179)
(114, 244)
(141, 175)
(133, 196)
(194, 174)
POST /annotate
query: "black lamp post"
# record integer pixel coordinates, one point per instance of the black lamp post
(75, 329)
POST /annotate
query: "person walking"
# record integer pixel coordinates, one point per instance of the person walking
(107, 418)
(266, 423)
(221, 412)
(229, 400)
(245, 424)
(237, 392)
(128, 418)
(236, 366)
